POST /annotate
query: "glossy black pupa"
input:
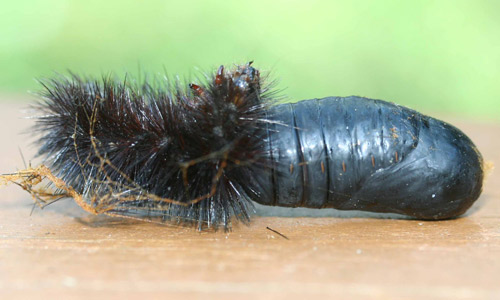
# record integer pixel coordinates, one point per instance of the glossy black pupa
(200, 154)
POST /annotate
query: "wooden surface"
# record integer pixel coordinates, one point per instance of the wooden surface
(62, 251)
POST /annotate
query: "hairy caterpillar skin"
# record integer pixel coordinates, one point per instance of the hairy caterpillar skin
(160, 152)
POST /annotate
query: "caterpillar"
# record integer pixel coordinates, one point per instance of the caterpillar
(200, 154)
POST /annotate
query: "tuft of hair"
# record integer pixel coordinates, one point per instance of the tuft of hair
(155, 150)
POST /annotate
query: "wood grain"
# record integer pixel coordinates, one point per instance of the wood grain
(62, 251)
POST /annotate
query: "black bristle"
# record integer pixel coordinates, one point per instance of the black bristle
(154, 150)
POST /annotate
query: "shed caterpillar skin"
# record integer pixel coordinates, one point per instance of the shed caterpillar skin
(160, 152)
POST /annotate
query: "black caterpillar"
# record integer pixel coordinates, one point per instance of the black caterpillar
(161, 152)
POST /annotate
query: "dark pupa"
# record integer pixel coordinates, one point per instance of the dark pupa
(161, 152)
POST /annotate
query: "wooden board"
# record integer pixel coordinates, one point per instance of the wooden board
(62, 251)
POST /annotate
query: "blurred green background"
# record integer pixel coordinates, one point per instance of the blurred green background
(435, 56)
